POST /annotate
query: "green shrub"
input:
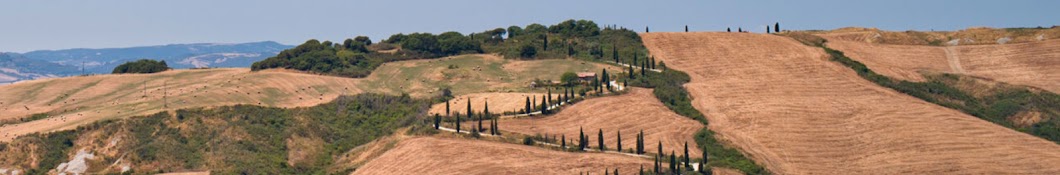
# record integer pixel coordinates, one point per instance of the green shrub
(141, 66)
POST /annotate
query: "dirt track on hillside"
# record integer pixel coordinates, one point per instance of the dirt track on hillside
(429, 155)
(74, 101)
(638, 110)
(1035, 64)
(796, 112)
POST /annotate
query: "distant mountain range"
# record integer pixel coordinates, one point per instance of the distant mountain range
(59, 63)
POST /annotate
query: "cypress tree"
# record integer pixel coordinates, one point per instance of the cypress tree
(652, 62)
(642, 67)
(634, 59)
(646, 29)
(739, 29)
(545, 46)
(640, 142)
(673, 162)
(616, 171)
(544, 105)
(581, 138)
(549, 95)
(485, 113)
(614, 52)
(768, 30)
(437, 120)
(688, 163)
(686, 28)
(457, 123)
(601, 140)
(661, 149)
(641, 170)
(470, 113)
(447, 108)
(703, 162)
(563, 142)
(619, 139)
(728, 29)
(528, 105)
(776, 27)
(607, 79)
(497, 126)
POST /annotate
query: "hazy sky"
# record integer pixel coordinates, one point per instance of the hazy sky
(27, 25)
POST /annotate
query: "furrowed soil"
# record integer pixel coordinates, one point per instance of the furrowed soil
(430, 155)
(629, 113)
(796, 112)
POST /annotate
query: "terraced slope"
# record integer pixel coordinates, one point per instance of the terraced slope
(796, 112)
(73, 101)
(629, 113)
(499, 103)
(429, 155)
(1035, 64)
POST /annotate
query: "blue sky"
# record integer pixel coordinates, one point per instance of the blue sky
(60, 24)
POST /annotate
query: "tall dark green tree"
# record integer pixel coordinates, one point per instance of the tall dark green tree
(545, 46)
(437, 120)
(776, 27)
(703, 163)
(471, 114)
(606, 79)
(768, 30)
(652, 62)
(728, 29)
(581, 139)
(528, 105)
(661, 153)
(570, 50)
(447, 113)
(457, 123)
(686, 28)
(563, 142)
(688, 161)
(657, 165)
(485, 114)
(600, 137)
(646, 29)
(673, 162)
(619, 139)
(640, 142)
(614, 52)
(630, 71)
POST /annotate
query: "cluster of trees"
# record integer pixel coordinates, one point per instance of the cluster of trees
(494, 126)
(445, 44)
(141, 66)
(350, 59)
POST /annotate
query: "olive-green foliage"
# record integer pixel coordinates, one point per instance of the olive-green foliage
(141, 66)
(995, 108)
(669, 89)
(246, 139)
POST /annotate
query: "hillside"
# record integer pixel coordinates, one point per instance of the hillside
(499, 103)
(1035, 64)
(629, 113)
(73, 101)
(102, 61)
(796, 112)
(428, 155)
(15, 67)
(970, 36)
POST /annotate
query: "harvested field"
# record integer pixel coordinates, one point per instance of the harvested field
(75, 101)
(1035, 64)
(467, 74)
(429, 155)
(970, 36)
(795, 112)
(499, 103)
(632, 112)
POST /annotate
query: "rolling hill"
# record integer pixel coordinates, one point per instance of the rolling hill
(794, 111)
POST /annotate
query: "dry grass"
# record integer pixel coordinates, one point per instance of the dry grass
(970, 36)
(629, 113)
(1035, 64)
(75, 101)
(795, 112)
(499, 103)
(429, 155)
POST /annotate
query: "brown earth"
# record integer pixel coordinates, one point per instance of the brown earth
(429, 155)
(1035, 64)
(498, 103)
(629, 113)
(74, 101)
(795, 112)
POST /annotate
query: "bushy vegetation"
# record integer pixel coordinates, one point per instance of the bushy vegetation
(356, 57)
(669, 89)
(997, 107)
(141, 66)
(244, 139)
